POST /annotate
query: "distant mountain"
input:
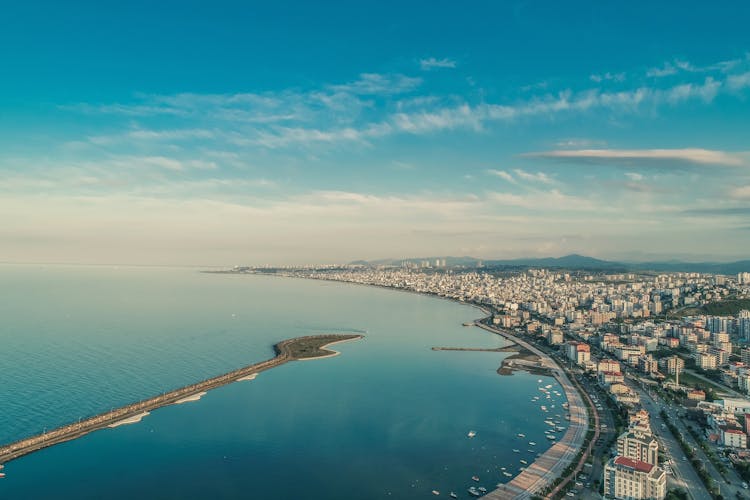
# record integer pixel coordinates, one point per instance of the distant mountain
(572, 261)
(579, 262)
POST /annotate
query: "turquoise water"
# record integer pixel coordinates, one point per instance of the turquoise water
(386, 419)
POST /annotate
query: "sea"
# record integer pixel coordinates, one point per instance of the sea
(388, 418)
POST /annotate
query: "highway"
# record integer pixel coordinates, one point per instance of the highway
(684, 476)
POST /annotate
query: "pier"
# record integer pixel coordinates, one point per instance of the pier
(296, 349)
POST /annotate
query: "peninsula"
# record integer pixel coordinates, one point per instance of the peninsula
(296, 349)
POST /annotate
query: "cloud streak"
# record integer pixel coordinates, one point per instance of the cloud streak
(432, 63)
(694, 156)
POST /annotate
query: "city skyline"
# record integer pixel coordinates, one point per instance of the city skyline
(293, 133)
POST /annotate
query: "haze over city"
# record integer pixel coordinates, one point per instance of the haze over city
(188, 134)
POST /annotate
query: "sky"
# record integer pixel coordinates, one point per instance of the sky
(248, 133)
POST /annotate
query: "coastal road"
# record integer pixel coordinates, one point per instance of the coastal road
(553, 462)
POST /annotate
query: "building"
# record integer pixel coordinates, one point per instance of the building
(696, 395)
(705, 360)
(629, 479)
(647, 364)
(734, 438)
(608, 365)
(578, 352)
(554, 337)
(672, 365)
(638, 445)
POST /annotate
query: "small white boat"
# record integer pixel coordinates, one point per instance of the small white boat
(482, 489)
(472, 434)
(524, 462)
(435, 492)
(507, 474)
(475, 478)
(522, 435)
(453, 495)
(516, 451)
(474, 492)
(532, 443)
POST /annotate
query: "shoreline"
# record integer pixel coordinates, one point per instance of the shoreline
(295, 349)
(543, 471)
(325, 347)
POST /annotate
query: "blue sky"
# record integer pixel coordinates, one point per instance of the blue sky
(245, 133)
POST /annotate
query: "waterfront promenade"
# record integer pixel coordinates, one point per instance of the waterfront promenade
(300, 348)
(556, 459)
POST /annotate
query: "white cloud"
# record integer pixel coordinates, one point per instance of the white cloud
(666, 70)
(739, 82)
(634, 176)
(431, 63)
(740, 192)
(502, 174)
(616, 77)
(691, 155)
(537, 177)
(374, 83)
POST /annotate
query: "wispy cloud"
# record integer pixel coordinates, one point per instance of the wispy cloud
(502, 174)
(376, 105)
(741, 192)
(375, 83)
(537, 177)
(739, 82)
(616, 77)
(432, 63)
(689, 155)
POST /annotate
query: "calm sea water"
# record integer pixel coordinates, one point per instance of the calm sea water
(386, 419)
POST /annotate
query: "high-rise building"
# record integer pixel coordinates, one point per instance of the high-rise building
(629, 479)
(638, 445)
(672, 365)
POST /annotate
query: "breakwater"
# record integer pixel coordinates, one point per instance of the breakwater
(300, 348)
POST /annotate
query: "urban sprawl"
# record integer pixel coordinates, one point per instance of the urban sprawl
(668, 354)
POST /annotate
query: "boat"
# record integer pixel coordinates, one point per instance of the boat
(474, 492)
(2, 475)
(475, 478)
(548, 386)
(516, 451)
(539, 381)
(551, 437)
(524, 462)
(453, 495)
(435, 492)
(507, 474)
(532, 443)
(482, 489)
(522, 469)
(472, 434)
(522, 435)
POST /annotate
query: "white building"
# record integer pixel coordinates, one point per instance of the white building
(734, 438)
(629, 479)
(638, 445)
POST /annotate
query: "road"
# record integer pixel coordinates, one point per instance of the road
(551, 464)
(685, 476)
(720, 388)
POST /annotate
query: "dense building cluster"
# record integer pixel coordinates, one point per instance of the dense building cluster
(618, 328)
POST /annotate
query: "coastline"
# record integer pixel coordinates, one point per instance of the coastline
(325, 347)
(550, 465)
(296, 349)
